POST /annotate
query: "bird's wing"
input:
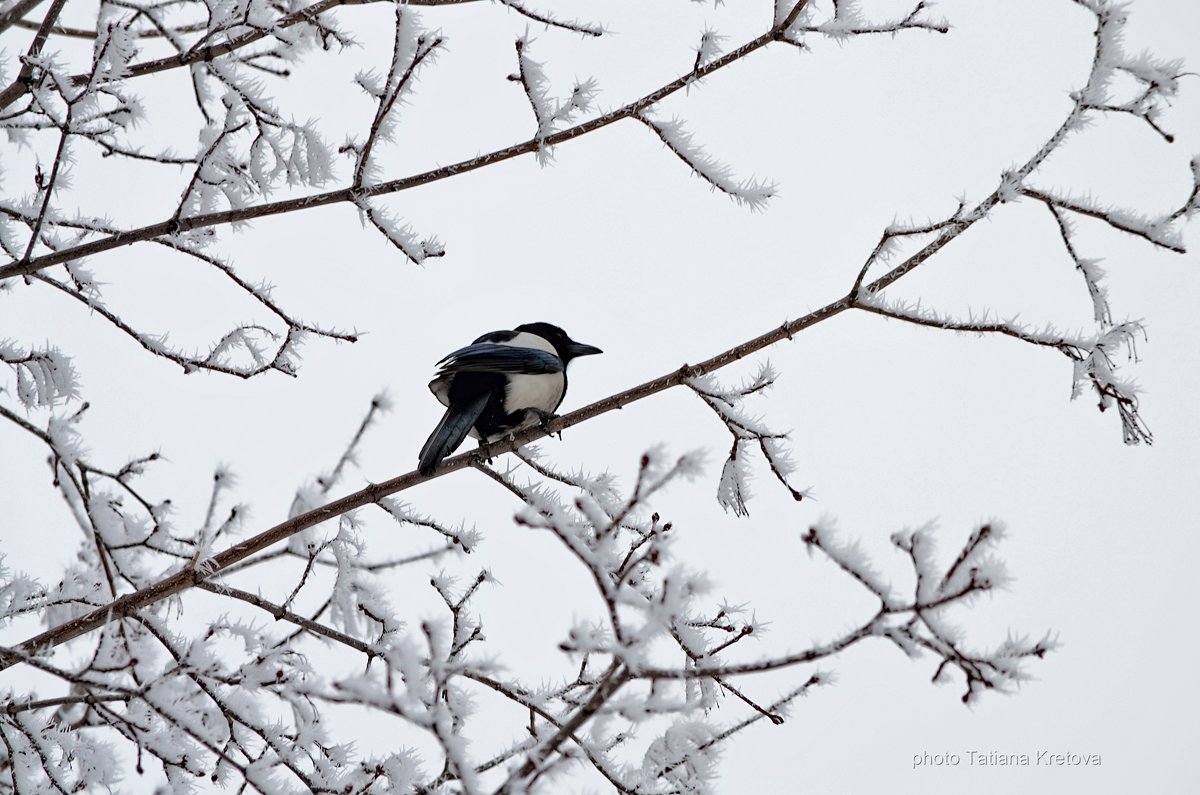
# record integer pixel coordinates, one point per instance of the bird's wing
(448, 435)
(488, 357)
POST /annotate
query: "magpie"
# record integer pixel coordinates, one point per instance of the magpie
(502, 382)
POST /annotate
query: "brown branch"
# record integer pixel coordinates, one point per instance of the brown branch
(26, 425)
(774, 709)
(534, 707)
(1112, 220)
(608, 686)
(549, 21)
(641, 490)
(891, 234)
(13, 707)
(354, 196)
(81, 33)
(867, 630)
(39, 39)
(51, 183)
(1101, 310)
(188, 577)
(283, 614)
(13, 15)
(20, 86)
(392, 93)
(1069, 349)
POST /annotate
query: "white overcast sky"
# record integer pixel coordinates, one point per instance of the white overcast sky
(893, 426)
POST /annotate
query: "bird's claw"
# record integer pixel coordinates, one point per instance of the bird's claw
(544, 419)
(483, 453)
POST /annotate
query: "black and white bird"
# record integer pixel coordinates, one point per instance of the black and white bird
(501, 383)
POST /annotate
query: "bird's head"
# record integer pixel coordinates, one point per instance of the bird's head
(566, 347)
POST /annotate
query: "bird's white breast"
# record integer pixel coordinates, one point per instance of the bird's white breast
(533, 392)
(543, 391)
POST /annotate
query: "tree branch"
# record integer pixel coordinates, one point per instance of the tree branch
(354, 195)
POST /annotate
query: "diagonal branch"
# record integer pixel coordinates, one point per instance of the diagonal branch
(1116, 220)
(20, 86)
(1072, 349)
(354, 196)
(190, 576)
(13, 15)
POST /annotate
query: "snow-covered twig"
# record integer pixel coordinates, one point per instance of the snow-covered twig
(748, 432)
(752, 193)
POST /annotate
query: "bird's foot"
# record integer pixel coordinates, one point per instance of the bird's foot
(483, 453)
(544, 419)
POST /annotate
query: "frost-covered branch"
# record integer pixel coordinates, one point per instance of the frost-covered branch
(920, 624)
(886, 248)
(248, 149)
(206, 50)
(751, 192)
(1096, 368)
(179, 701)
(915, 625)
(1071, 346)
(849, 20)
(1089, 268)
(410, 49)
(548, 113)
(44, 377)
(250, 103)
(649, 660)
(748, 432)
(550, 20)
(1091, 355)
(245, 351)
(1157, 230)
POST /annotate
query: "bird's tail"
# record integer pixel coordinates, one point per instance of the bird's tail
(450, 432)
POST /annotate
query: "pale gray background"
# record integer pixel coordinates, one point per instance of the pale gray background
(893, 426)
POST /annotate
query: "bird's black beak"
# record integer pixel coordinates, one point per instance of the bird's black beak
(581, 349)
